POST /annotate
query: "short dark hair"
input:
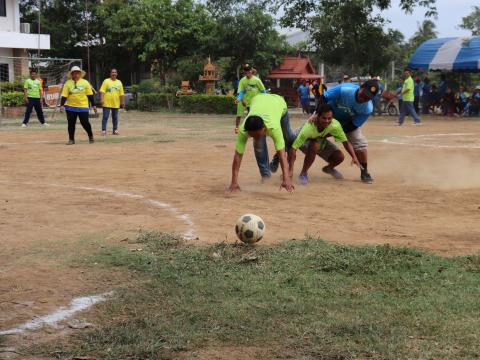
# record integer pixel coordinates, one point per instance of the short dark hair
(253, 123)
(323, 108)
(33, 71)
(407, 69)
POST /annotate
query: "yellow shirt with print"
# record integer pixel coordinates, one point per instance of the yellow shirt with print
(112, 90)
(76, 93)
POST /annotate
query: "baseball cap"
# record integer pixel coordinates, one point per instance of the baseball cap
(346, 77)
(370, 88)
(247, 67)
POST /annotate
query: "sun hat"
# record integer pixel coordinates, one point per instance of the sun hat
(76, 68)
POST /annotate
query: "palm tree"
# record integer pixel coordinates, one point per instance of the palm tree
(425, 31)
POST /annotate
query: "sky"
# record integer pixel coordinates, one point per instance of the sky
(450, 13)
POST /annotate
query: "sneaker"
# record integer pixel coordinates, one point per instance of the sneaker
(91, 140)
(274, 164)
(45, 125)
(24, 125)
(398, 123)
(266, 179)
(115, 132)
(366, 178)
(104, 132)
(70, 142)
(333, 172)
(417, 124)
(303, 179)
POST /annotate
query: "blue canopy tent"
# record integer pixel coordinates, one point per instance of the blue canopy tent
(448, 54)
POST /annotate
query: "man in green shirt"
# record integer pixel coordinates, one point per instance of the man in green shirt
(33, 93)
(312, 139)
(408, 97)
(268, 115)
(248, 87)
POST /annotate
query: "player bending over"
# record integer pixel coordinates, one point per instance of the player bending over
(268, 115)
(312, 140)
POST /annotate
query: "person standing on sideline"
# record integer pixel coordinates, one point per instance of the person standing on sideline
(426, 89)
(249, 87)
(33, 94)
(77, 94)
(304, 94)
(112, 98)
(408, 97)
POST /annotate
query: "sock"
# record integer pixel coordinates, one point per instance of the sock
(364, 165)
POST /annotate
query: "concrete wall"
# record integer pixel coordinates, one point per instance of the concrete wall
(11, 22)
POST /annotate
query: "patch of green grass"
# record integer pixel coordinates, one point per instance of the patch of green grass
(309, 298)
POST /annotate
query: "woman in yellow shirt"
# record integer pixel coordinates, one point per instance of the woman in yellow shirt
(77, 94)
(112, 98)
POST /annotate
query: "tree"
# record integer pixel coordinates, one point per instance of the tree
(425, 31)
(472, 21)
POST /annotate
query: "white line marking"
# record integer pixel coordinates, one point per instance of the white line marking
(186, 218)
(76, 305)
(396, 140)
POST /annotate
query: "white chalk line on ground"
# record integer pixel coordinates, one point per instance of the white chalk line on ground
(392, 141)
(76, 305)
(184, 217)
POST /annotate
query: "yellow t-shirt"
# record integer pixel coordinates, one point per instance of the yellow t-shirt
(112, 91)
(77, 92)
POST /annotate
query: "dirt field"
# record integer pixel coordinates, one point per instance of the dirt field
(169, 172)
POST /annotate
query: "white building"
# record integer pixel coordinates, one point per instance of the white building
(15, 39)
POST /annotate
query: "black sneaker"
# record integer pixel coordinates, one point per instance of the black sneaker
(70, 142)
(274, 164)
(366, 178)
(91, 140)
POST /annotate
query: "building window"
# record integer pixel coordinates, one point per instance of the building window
(4, 76)
(3, 8)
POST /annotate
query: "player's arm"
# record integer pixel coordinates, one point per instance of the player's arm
(237, 161)
(287, 180)
(349, 148)
(122, 97)
(25, 95)
(292, 156)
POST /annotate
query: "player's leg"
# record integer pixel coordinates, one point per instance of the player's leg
(261, 155)
(38, 109)
(86, 125)
(310, 149)
(289, 138)
(333, 156)
(360, 145)
(28, 112)
(412, 111)
(71, 119)
(105, 116)
(115, 121)
(403, 112)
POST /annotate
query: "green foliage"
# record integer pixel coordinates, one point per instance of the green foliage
(303, 299)
(472, 21)
(11, 86)
(207, 104)
(12, 99)
(156, 101)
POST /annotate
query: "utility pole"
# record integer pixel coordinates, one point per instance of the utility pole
(88, 41)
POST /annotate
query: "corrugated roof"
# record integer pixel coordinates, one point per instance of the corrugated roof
(294, 68)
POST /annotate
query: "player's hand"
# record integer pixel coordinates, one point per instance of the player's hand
(237, 130)
(287, 185)
(26, 101)
(355, 162)
(94, 109)
(62, 109)
(244, 103)
(233, 188)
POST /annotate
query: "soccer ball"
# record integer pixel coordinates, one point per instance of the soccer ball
(250, 228)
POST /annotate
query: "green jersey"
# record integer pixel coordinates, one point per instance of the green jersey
(33, 88)
(250, 87)
(270, 108)
(311, 132)
(408, 85)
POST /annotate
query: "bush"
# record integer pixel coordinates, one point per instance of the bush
(156, 101)
(11, 86)
(208, 104)
(12, 99)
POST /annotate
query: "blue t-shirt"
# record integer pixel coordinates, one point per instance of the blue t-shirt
(346, 109)
(416, 89)
(304, 91)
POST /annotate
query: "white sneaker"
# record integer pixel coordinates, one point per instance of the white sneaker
(44, 125)
(24, 125)
(417, 124)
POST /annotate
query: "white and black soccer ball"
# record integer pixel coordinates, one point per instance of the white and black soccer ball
(250, 228)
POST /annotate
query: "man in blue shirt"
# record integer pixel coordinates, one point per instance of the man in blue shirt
(304, 94)
(352, 105)
(417, 92)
